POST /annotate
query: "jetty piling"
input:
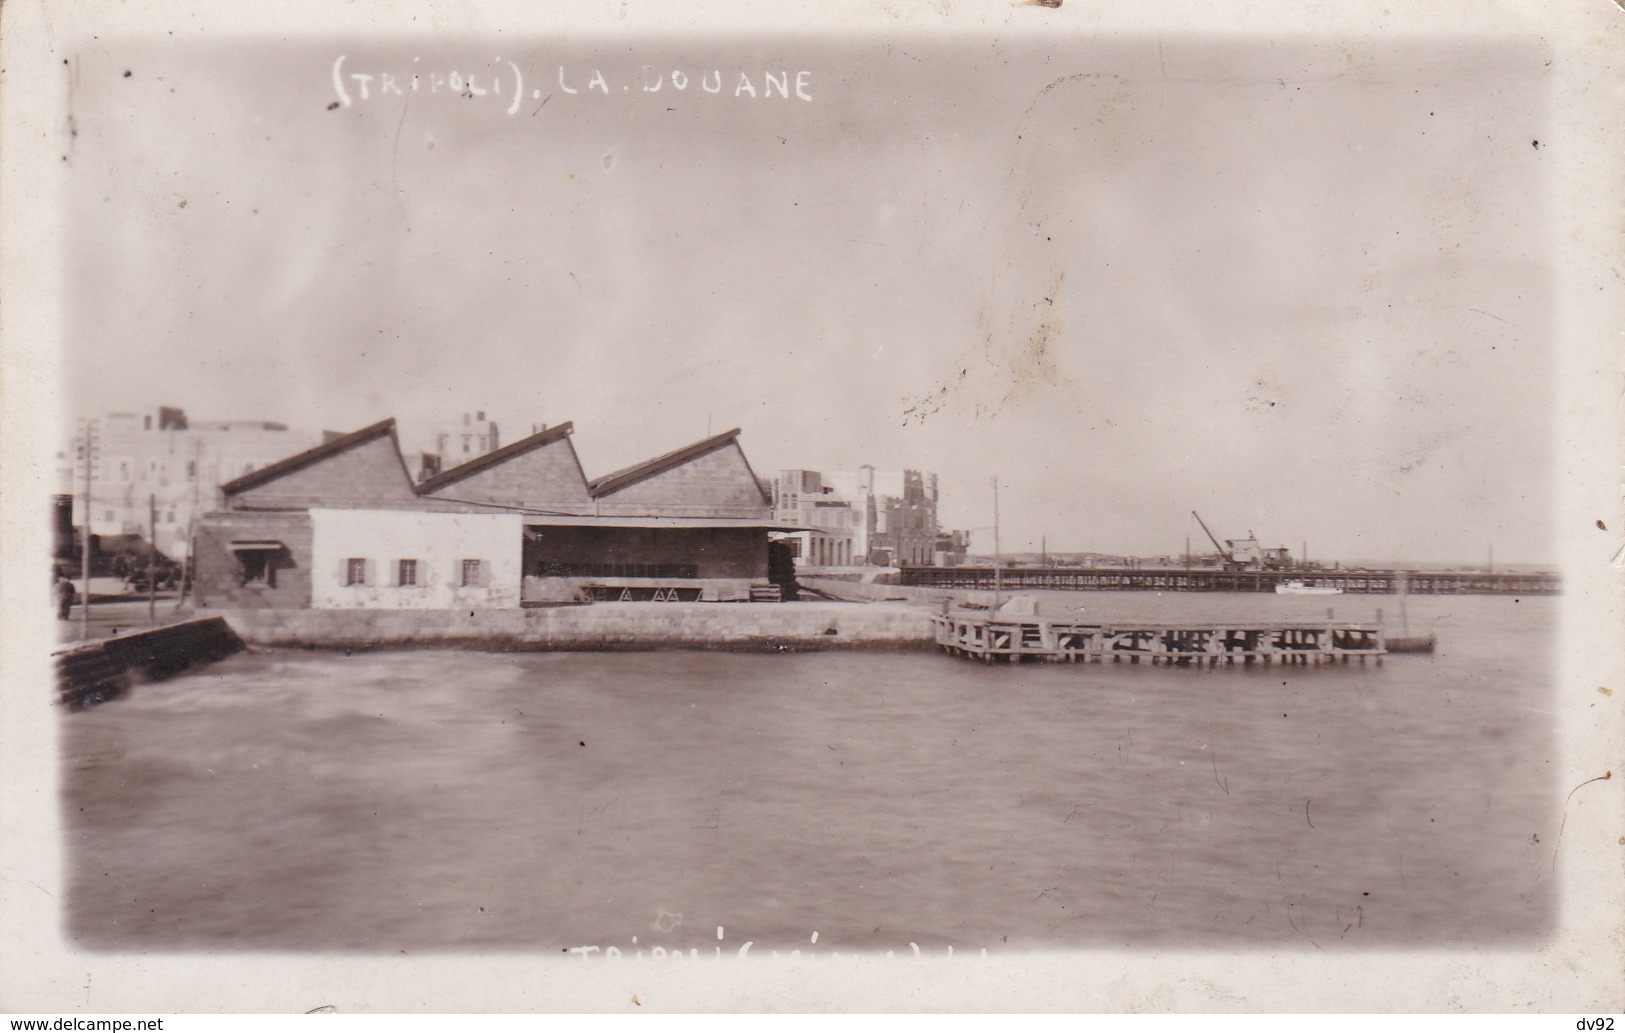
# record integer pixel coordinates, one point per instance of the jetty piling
(994, 638)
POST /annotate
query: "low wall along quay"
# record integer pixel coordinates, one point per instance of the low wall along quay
(602, 626)
(94, 672)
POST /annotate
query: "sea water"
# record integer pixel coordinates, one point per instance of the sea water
(432, 800)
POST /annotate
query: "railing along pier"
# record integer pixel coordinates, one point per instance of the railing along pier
(992, 638)
(1164, 579)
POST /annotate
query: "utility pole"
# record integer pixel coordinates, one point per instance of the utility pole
(152, 560)
(188, 565)
(998, 558)
(88, 440)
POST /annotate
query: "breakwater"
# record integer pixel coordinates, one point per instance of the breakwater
(789, 627)
(91, 672)
(1142, 579)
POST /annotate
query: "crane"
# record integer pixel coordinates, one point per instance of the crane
(1229, 560)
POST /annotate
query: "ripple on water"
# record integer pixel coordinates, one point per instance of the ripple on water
(415, 800)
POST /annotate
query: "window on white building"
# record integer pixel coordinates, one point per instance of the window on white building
(473, 573)
(355, 571)
(407, 574)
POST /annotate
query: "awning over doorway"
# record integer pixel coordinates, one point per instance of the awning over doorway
(256, 545)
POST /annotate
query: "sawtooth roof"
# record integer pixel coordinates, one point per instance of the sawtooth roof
(311, 456)
(623, 478)
(495, 457)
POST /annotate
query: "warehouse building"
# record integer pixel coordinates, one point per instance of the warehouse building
(342, 526)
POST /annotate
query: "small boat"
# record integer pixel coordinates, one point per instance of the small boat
(1300, 588)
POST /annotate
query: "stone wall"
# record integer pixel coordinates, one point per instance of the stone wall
(606, 626)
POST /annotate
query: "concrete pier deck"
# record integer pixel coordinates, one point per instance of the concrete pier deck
(1013, 639)
(1164, 579)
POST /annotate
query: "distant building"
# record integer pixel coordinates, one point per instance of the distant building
(160, 457)
(1247, 552)
(950, 549)
(452, 445)
(831, 531)
(865, 516)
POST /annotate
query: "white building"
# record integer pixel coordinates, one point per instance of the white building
(407, 560)
(830, 531)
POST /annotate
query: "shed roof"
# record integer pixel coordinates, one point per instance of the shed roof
(311, 456)
(611, 483)
(492, 458)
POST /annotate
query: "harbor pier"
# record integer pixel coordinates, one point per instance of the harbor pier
(1014, 639)
(1170, 579)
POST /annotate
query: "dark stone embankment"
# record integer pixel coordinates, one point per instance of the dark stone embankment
(93, 672)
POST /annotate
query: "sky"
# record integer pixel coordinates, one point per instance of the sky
(1302, 290)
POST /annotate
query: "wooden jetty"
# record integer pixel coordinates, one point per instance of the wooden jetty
(992, 637)
(1170, 579)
